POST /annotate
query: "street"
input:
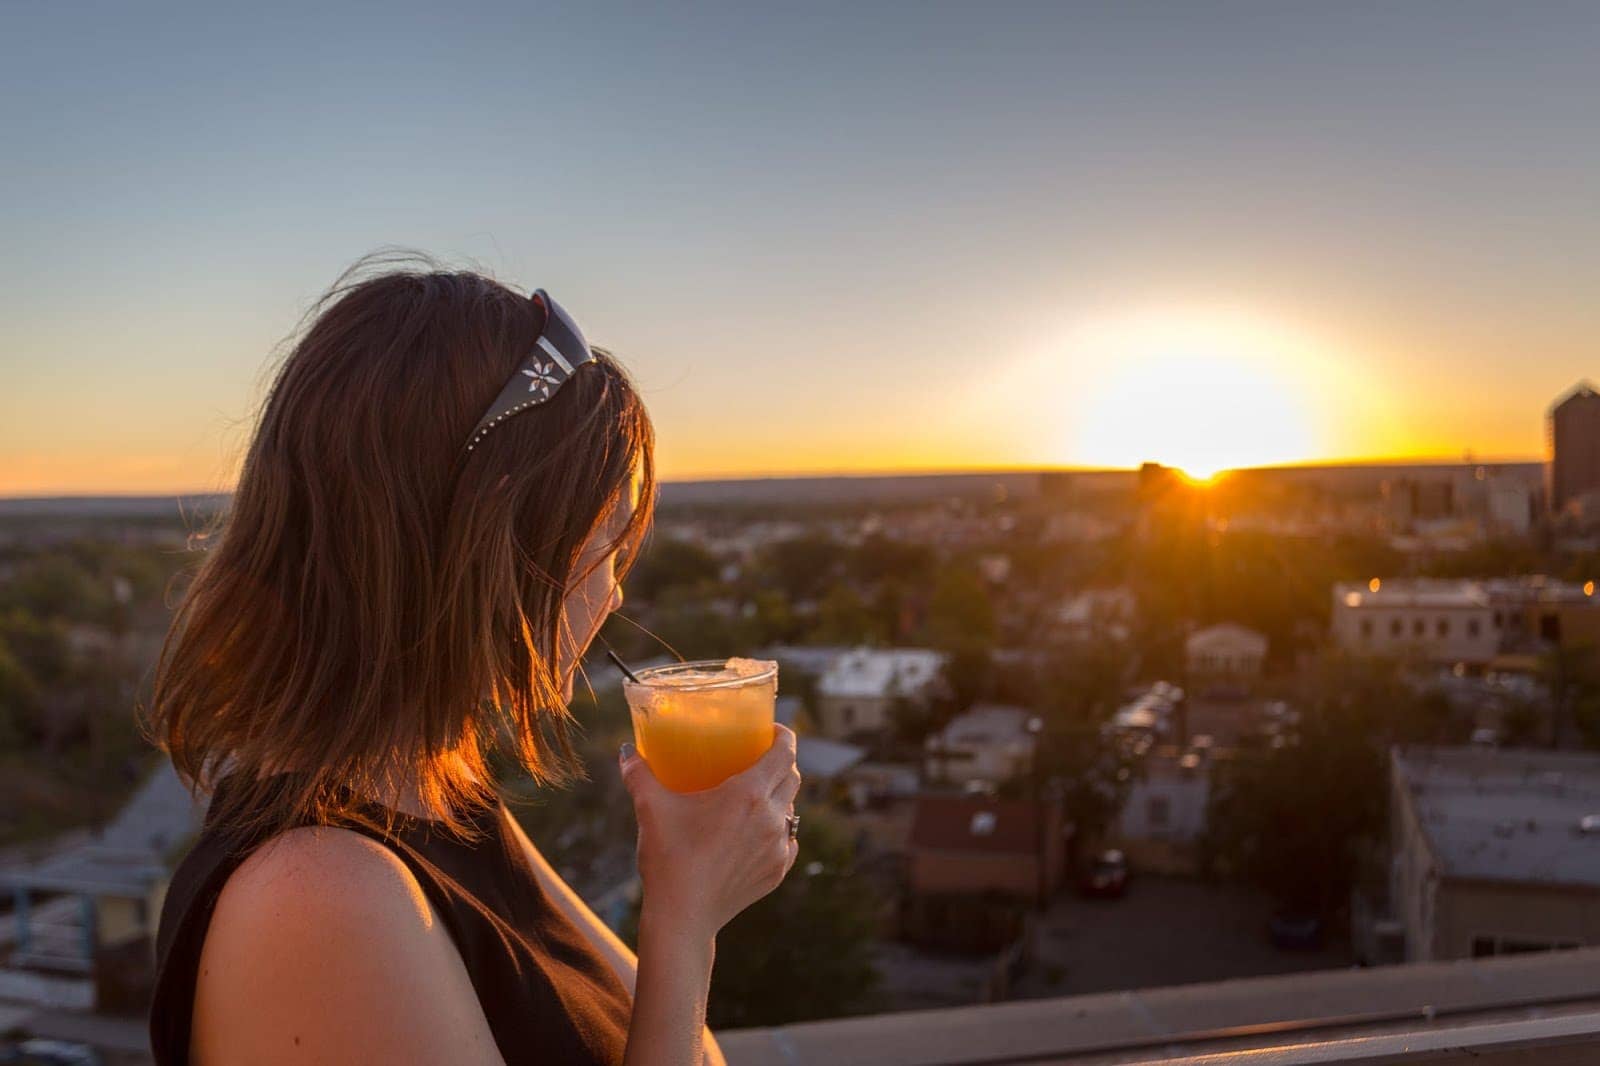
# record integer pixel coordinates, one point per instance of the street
(1165, 931)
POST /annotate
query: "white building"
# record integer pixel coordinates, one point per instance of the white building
(1493, 852)
(857, 691)
(1225, 650)
(1443, 621)
(991, 742)
(1164, 815)
(1452, 621)
(1097, 613)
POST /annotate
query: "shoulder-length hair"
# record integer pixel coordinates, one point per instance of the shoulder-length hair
(380, 608)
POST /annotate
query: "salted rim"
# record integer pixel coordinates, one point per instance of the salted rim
(648, 675)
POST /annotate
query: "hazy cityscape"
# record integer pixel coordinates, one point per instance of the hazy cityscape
(1064, 733)
(1158, 444)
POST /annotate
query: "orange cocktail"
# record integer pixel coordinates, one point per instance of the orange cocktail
(697, 724)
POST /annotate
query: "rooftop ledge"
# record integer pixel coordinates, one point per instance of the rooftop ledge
(1512, 1011)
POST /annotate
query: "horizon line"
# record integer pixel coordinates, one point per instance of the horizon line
(1310, 464)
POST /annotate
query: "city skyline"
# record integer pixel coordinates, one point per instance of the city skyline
(911, 238)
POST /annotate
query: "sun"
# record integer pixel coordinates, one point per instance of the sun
(1203, 391)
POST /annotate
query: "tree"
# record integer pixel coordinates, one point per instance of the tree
(881, 559)
(804, 951)
(41, 645)
(1568, 674)
(19, 694)
(804, 566)
(56, 586)
(967, 674)
(960, 615)
(671, 562)
(1077, 692)
(843, 617)
(1293, 820)
(1296, 819)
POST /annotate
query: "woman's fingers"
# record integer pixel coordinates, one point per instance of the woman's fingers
(772, 767)
(787, 788)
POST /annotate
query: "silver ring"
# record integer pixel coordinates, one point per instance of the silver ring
(793, 821)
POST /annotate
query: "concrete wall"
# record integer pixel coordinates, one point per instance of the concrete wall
(118, 921)
(937, 874)
(843, 716)
(1535, 914)
(1470, 637)
(1413, 878)
(997, 763)
(1163, 846)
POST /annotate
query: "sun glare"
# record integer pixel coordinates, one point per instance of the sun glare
(1200, 391)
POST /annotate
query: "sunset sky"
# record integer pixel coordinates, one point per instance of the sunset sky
(842, 238)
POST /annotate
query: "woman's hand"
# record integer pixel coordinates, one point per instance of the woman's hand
(706, 856)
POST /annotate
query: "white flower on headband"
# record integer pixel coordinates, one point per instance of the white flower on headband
(544, 378)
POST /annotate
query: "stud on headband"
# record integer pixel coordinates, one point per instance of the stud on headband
(556, 356)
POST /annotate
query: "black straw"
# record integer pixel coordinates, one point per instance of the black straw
(629, 674)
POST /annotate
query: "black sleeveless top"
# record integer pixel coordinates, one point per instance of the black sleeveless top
(548, 994)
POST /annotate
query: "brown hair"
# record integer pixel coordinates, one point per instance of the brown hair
(380, 606)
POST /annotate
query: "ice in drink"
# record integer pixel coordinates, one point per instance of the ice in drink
(697, 724)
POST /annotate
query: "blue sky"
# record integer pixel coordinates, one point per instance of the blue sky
(824, 238)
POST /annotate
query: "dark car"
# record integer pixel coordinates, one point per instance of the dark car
(1295, 932)
(1106, 876)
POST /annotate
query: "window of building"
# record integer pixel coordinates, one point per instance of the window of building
(1484, 946)
(1366, 628)
(1394, 627)
(1473, 627)
(1418, 627)
(848, 714)
(1158, 811)
(1443, 627)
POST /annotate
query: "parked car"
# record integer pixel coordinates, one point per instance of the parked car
(1295, 932)
(1106, 875)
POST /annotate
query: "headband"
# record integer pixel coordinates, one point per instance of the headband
(556, 356)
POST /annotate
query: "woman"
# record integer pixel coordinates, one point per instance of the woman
(444, 490)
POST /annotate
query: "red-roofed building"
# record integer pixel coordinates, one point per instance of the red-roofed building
(974, 845)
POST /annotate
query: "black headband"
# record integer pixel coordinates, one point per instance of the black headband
(556, 356)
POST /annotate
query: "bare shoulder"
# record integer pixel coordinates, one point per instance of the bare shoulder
(325, 875)
(323, 947)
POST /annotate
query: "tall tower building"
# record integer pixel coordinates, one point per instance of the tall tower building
(1573, 436)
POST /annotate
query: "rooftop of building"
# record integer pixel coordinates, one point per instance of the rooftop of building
(1583, 391)
(1462, 592)
(975, 824)
(126, 856)
(867, 673)
(984, 724)
(1412, 592)
(1089, 605)
(1526, 817)
(819, 757)
(1227, 636)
